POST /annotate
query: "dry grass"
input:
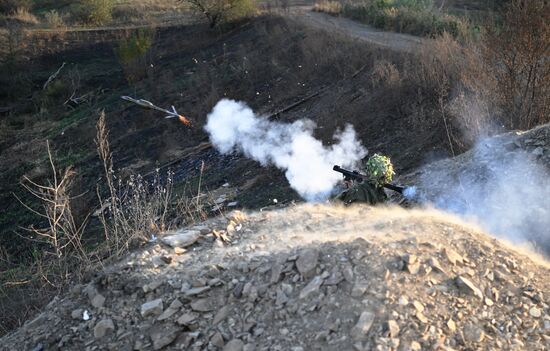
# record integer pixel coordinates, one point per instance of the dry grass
(330, 7)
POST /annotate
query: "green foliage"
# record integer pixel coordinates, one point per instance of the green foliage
(379, 169)
(132, 54)
(135, 46)
(95, 12)
(53, 19)
(10, 6)
(405, 16)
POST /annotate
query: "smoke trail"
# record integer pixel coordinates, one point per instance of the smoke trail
(291, 147)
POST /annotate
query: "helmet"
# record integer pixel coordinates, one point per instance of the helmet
(379, 169)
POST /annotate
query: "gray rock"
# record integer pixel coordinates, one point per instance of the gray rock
(217, 340)
(362, 327)
(152, 308)
(187, 319)
(171, 310)
(311, 287)
(196, 291)
(202, 305)
(98, 301)
(467, 286)
(182, 239)
(473, 333)
(221, 314)
(103, 327)
(359, 288)
(162, 336)
(307, 262)
(77, 314)
(234, 345)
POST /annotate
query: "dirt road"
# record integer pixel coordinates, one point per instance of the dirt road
(391, 40)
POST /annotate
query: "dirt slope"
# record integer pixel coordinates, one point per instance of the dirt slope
(308, 278)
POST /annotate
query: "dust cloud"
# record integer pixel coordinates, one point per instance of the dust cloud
(291, 147)
(506, 193)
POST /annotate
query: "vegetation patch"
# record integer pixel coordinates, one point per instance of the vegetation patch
(418, 17)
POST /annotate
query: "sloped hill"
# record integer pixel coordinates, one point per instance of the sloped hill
(503, 182)
(308, 278)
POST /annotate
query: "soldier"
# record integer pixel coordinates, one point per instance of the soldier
(379, 171)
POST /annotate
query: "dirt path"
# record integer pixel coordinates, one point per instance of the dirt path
(394, 41)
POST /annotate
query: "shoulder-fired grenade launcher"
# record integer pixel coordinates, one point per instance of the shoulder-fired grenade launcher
(354, 175)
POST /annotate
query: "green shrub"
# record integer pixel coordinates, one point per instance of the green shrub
(53, 19)
(11, 6)
(132, 54)
(94, 12)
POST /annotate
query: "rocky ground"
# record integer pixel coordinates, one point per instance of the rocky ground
(308, 278)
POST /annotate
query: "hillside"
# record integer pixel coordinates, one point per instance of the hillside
(307, 278)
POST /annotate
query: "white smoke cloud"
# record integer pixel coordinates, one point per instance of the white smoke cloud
(506, 193)
(291, 147)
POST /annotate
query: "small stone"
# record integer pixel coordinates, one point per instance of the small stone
(234, 345)
(472, 333)
(217, 340)
(410, 259)
(361, 329)
(467, 286)
(413, 268)
(202, 305)
(418, 306)
(187, 319)
(451, 325)
(311, 287)
(434, 263)
(415, 346)
(162, 336)
(77, 314)
(152, 308)
(196, 291)
(103, 327)
(221, 314)
(452, 256)
(359, 288)
(98, 301)
(489, 302)
(403, 301)
(393, 328)
(307, 262)
(535, 312)
(179, 251)
(421, 317)
(182, 238)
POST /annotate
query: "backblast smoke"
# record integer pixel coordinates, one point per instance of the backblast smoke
(307, 163)
(506, 193)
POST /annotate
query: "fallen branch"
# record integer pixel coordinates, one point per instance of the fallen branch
(53, 76)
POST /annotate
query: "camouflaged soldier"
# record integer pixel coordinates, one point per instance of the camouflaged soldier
(379, 171)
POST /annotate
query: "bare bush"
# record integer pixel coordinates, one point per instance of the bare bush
(136, 210)
(63, 234)
(218, 12)
(11, 6)
(518, 52)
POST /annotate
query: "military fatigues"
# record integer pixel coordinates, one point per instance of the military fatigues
(363, 192)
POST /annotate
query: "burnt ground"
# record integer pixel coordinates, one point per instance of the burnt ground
(270, 62)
